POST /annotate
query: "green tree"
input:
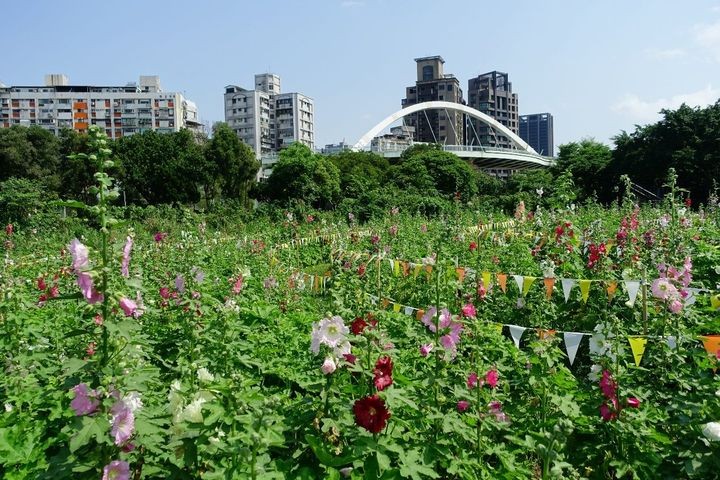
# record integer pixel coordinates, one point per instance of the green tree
(30, 152)
(232, 161)
(360, 172)
(586, 161)
(304, 176)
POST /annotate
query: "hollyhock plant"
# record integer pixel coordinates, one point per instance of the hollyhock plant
(125, 267)
(383, 373)
(329, 331)
(130, 308)
(123, 423)
(472, 380)
(633, 402)
(371, 413)
(328, 366)
(116, 470)
(469, 310)
(491, 378)
(426, 349)
(462, 405)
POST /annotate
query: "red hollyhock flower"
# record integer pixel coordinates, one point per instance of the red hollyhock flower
(383, 372)
(371, 413)
(358, 326)
(473, 246)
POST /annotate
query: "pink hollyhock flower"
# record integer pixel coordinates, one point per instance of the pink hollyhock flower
(238, 285)
(129, 307)
(164, 293)
(663, 289)
(180, 284)
(116, 470)
(472, 380)
(80, 255)
(469, 310)
(85, 401)
(87, 287)
(159, 236)
(426, 349)
(473, 246)
(123, 423)
(633, 402)
(675, 306)
(429, 318)
(491, 378)
(383, 373)
(125, 267)
(328, 366)
(90, 350)
(462, 405)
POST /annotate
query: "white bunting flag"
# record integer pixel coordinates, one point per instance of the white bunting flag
(632, 287)
(692, 296)
(572, 342)
(392, 264)
(671, 341)
(567, 285)
(516, 332)
(519, 280)
(408, 311)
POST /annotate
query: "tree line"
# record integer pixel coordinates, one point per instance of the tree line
(180, 168)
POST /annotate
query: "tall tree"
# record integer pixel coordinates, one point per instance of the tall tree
(586, 160)
(234, 162)
(30, 152)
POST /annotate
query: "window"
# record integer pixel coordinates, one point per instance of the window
(449, 88)
(427, 72)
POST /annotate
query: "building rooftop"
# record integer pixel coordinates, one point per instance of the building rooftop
(434, 57)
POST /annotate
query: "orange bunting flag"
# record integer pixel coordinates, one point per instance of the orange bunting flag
(385, 302)
(545, 334)
(502, 281)
(405, 269)
(611, 288)
(460, 271)
(420, 314)
(637, 345)
(712, 344)
(428, 271)
(549, 284)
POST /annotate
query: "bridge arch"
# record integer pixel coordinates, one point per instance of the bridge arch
(441, 105)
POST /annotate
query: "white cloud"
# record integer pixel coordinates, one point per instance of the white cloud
(715, 9)
(647, 110)
(667, 54)
(352, 3)
(708, 37)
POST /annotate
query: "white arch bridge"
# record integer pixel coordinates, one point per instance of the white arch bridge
(520, 156)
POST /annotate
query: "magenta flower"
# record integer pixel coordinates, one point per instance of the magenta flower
(472, 380)
(462, 405)
(491, 378)
(606, 413)
(87, 287)
(607, 385)
(116, 470)
(125, 268)
(123, 423)
(426, 349)
(238, 285)
(469, 310)
(130, 308)
(159, 236)
(85, 401)
(633, 402)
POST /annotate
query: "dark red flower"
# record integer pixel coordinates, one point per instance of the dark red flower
(9, 229)
(361, 269)
(688, 202)
(41, 284)
(371, 413)
(350, 358)
(165, 292)
(383, 372)
(358, 326)
(473, 246)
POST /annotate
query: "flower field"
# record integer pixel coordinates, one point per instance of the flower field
(554, 344)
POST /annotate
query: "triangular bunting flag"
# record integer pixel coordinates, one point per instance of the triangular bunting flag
(460, 271)
(408, 311)
(385, 302)
(637, 345)
(611, 289)
(396, 268)
(516, 333)
(416, 270)
(572, 342)
(585, 289)
(419, 314)
(502, 281)
(715, 301)
(519, 281)
(549, 284)
(396, 307)
(692, 296)
(428, 271)
(671, 341)
(567, 285)
(712, 345)
(527, 283)
(544, 333)
(632, 287)
(406, 269)
(486, 278)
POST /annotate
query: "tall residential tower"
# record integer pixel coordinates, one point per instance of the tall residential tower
(537, 130)
(491, 93)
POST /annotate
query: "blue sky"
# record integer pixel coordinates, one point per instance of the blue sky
(598, 67)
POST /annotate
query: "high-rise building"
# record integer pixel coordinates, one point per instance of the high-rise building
(435, 126)
(267, 119)
(537, 130)
(491, 93)
(119, 110)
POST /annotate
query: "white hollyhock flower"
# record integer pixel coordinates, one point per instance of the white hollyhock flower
(133, 401)
(193, 412)
(204, 375)
(712, 431)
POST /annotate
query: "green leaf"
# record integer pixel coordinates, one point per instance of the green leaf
(325, 457)
(91, 427)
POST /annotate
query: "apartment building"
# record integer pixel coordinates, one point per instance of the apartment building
(491, 93)
(435, 126)
(267, 119)
(120, 110)
(537, 130)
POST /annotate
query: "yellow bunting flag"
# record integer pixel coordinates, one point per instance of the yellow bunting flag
(611, 288)
(396, 268)
(527, 283)
(420, 314)
(549, 284)
(585, 289)
(460, 271)
(502, 281)
(637, 345)
(486, 278)
(396, 307)
(416, 270)
(715, 301)
(712, 344)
